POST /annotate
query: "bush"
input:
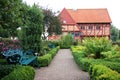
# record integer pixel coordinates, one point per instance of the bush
(100, 72)
(54, 51)
(45, 60)
(113, 53)
(31, 31)
(21, 73)
(6, 69)
(66, 41)
(85, 64)
(97, 45)
(3, 61)
(56, 43)
(113, 59)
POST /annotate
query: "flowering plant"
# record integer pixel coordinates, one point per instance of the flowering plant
(6, 44)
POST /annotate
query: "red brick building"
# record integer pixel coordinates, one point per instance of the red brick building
(86, 22)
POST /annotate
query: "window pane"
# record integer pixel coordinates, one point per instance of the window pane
(82, 27)
(98, 27)
(90, 27)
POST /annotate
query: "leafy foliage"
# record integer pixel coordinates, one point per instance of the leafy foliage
(97, 45)
(9, 17)
(115, 35)
(100, 72)
(66, 41)
(30, 34)
(21, 73)
(52, 22)
(47, 58)
(6, 69)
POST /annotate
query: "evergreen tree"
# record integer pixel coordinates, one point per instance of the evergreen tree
(9, 17)
(114, 33)
(30, 34)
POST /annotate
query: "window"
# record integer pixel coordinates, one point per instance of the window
(82, 27)
(77, 34)
(90, 27)
(98, 27)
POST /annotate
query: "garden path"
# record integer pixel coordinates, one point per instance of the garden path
(62, 67)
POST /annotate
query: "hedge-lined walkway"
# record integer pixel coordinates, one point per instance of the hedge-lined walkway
(63, 67)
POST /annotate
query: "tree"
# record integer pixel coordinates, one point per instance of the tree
(114, 33)
(9, 17)
(30, 33)
(52, 21)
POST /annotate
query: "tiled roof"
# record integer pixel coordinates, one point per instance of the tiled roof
(85, 16)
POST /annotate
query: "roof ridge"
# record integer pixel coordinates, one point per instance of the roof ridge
(70, 15)
(88, 9)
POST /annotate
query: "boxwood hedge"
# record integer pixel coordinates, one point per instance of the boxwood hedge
(6, 69)
(47, 58)
(100, 72)
(21, 73)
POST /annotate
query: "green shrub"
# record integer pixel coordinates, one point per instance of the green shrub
(66, 41)
(100, 72)
(54, 51)
(86, 63)
(113, 59)
(3, 61)
(45, 60)
(97, 45)
(21, 73)
(56, 43)
(6, 69)
(30, 33)
(112, 65)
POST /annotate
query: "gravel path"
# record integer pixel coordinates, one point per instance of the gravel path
(63, 67)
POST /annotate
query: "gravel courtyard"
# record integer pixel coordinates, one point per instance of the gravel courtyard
(62, 67)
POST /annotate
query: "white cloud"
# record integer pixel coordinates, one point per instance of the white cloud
(112, 6)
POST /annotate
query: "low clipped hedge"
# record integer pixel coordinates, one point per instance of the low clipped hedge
(3, 61)
(21, 73)
(54, 51)
(100, 72)
(47, 58)
(79, 56)
(6, 69)
(85, 63)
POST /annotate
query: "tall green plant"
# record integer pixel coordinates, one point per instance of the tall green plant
(30, 34)
(66, 41)
(97, 45)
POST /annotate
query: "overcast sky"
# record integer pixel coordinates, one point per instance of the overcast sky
(113, 6)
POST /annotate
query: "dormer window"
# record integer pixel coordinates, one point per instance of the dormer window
(64, 21)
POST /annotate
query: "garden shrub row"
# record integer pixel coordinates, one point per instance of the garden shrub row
(21, 73)
(3, 61)
(87, 63)
(100, 72)
(47, 58)
(6, 69)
